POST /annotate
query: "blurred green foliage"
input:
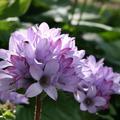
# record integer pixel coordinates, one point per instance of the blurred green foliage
(96, 26)
(7, 111)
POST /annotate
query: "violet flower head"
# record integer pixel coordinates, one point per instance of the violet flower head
(99, 80)
(41, 59)
(34, 61)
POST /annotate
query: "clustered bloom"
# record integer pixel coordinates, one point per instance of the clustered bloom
(41, 59)
(98, 83)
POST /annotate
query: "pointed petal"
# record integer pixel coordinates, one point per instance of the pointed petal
(81, 54)
(36, 72)
(34, 90)
(3, 54)
(79, 96)
(52, 92)
(92, 109)
(4, 75)
(57, 45)
(29, 51)
(92, 92)
(42, 45)
(43, 27)
(83, 107)
(30, 34)
(4, 64)
(51, 67)
(100, 101)
(92, 61)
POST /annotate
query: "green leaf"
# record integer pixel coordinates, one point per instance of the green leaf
(6, 28)
(8, 25)
(49, 3)
(25, 112)
(12, 8)
(65, 108)
(111, 51)
(111, 35)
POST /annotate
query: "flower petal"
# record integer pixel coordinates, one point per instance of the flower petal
(3, 54)
(4, 64)
(100, 101)
(81, 54)
(79, 96)
(43, 27)
(36, 72)
(5, 84)
(34, 90)
(83, 107)
(92, 91)
(52, 92)
(29, 51)
(92, 109)
(4, 75)
(51, 67)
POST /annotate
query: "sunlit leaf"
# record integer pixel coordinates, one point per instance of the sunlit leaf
(11, 8)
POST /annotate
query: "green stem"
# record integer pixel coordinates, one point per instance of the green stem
(38, 108)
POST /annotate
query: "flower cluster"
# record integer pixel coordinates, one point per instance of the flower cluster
(96, 86)
(41, 59)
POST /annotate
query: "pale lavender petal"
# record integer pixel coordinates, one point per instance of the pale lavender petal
(4, 64)
(3, 54)
(4, 84)
(4, 75)
(42, 44)
(36, 72)
(51, 67)
(79, 96)
(92, 61)
(57, 46)
(81, 54)
(92, 91)
(34, 90)
(18, 98)
(43, 27)
(52, 92)
(92, 109)
(31, 34)
(29, 51)
(99, 101)
(83, 107)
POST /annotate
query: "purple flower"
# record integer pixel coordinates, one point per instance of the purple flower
(34, 59)
(67, 78)
(91, 67)
(41, 59)
(13, 97)
(45, 80)
(90, 101)
(41, 43)
(105, 81)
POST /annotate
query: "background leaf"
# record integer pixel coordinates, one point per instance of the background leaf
(65, 108)
(12, 8)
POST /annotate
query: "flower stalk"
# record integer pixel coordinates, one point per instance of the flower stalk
(38, 108)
